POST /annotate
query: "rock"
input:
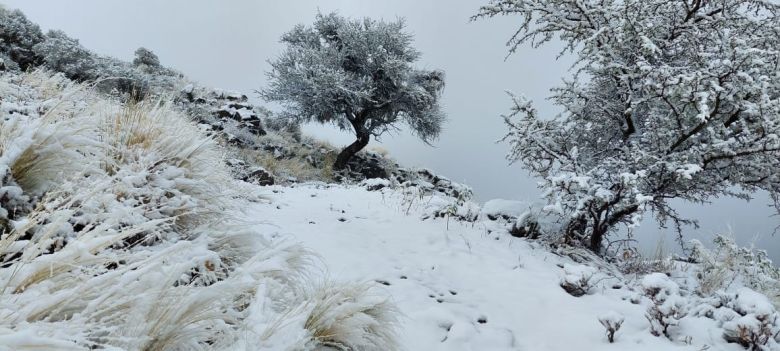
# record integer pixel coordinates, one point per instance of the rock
(374, 184)
(188, 92)
(436, 183)
(233, 140)
(366, 166)
(234, 162)
(259, 176)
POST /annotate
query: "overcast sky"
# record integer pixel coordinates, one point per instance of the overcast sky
(226, 44)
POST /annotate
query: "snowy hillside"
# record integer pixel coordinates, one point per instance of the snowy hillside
(142, 211)
(471, 286)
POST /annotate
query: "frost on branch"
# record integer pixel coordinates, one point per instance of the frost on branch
(683, 103)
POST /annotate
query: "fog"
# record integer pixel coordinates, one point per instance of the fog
(226, 44)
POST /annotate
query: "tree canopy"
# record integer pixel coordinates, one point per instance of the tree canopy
(670, 100)
(356, 74)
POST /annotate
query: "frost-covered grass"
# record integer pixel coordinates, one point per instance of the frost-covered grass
(120, 228)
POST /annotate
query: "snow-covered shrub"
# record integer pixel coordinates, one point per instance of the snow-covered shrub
(352, 317)
(667, 307)
(37, 146)
(18, 36)
(146, 57)
(6, 64)
(577, 279)
(64, 54)
(756, 326)
(612, 321)
(728, 263)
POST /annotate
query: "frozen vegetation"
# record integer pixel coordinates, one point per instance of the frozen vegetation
(142, 211)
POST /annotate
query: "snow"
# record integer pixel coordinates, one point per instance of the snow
(751, 302)
(660, 282)
(375, 183)
(611, 317)
(459, 287)
(510, 208)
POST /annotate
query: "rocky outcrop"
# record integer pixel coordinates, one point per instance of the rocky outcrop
(221, 110)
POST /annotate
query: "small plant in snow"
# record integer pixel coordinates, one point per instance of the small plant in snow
(352, 317)
(612, 321)
(756, 326)
(667, 307)
(577, 279)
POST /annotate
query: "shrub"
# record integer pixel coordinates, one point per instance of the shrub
(612, 321)
(666, 112)
(577, 280)
(18, 36)
(352, 317)
(728, 263)
(145, 57)
(63, 54)
(756, 324)
(667, 307)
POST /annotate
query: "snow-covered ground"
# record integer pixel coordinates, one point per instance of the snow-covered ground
(464, 286)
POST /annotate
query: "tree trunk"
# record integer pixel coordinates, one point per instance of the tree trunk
(600, 229)
(349, 151)
(595, 240)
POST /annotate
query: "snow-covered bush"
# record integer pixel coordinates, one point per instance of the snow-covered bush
(667, 307)
(612, 321)
(18, 36)
(756, 327)
(352, 317)
(64, 54)
(146, 57)
(23, 46)
(281, 124)
(680, 104)
(729, 264)
(577, 279)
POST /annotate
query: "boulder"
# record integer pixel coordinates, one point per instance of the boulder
(259, 176)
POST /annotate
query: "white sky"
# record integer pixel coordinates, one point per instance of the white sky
(226, 44)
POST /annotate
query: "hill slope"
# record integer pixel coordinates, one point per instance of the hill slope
(470, 286)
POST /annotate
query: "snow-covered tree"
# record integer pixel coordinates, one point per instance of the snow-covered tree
(144, 56)
(671, 99)
(356, 74)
